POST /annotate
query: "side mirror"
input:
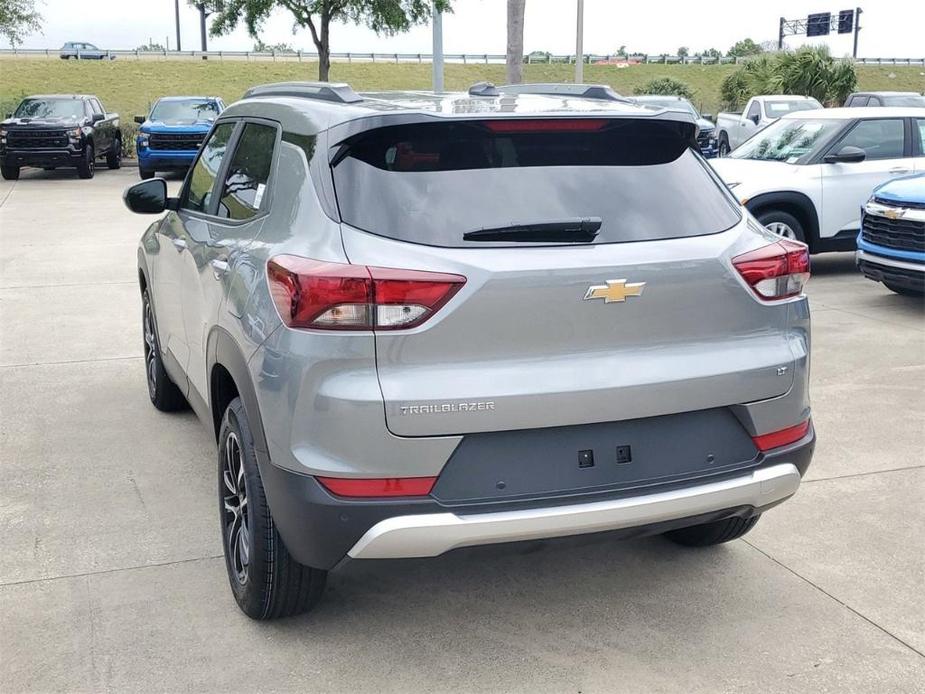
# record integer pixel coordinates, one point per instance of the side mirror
(756, 119)
(148, 197)
(846, 155)
(97, 117)
(140, 119)
(708, 116)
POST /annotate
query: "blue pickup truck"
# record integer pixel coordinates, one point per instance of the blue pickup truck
(170, 135)
(891, 245)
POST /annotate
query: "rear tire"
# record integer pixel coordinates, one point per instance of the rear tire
(905, 291)
(714, 533)
(114, 157)
(10, 173)
(722, 149)
(164, 394)
(783, 224)
(267, 583)
(87, 167)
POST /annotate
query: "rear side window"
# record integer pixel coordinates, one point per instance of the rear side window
(202, 177)
(246, 180)
(431, 183)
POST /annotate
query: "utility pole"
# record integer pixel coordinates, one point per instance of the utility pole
(437, 19)
(780, 35)
(579, 44)
(857, 28)
(176, 10)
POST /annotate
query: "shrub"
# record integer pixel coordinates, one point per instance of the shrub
(666, 86)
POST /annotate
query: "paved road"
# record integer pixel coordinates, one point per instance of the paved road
(111, 577)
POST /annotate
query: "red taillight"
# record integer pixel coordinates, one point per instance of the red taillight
(337, 296)
(391, 486)
(545, 125)
(776, 439)
(778, 271)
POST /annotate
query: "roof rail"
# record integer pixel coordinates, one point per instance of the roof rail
(338, 92)
(583, 91)
(483, 89)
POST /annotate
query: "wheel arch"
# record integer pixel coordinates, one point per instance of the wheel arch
(229, 378)
(792, 202)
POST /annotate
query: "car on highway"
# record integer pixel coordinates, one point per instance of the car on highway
(59, 130)
(706, 130)
(414, 322)
(735, 127)
(891, 245)
(79, 50)
(170, 135)
(884, 99)
(807, 176)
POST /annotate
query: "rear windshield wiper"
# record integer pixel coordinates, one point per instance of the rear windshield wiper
(577, 230)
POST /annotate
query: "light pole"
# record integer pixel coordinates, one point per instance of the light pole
(437, 18)
(579, 44)
(176, 9)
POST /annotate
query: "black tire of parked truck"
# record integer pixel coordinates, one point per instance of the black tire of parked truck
(87, 167)
(145, 173)
(723, 146)
(267, 583)
(10, 173)
(114, 157)
(714, 533)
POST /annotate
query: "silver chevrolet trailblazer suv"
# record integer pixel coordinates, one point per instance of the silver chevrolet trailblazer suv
(422, 321)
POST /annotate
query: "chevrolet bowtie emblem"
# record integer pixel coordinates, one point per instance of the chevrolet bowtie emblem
(893, 213)
(614, 290)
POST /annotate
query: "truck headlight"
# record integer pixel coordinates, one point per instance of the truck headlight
(74, 133)
(143, 140)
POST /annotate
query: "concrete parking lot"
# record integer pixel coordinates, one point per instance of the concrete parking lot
(111, 575)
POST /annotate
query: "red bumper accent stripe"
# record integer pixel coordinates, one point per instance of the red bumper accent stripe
(776, 439)
(383, 487)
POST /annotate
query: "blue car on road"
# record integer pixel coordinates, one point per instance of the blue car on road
(170, 135)
(891, 245)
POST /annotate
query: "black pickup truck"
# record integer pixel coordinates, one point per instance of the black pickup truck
(59, 130)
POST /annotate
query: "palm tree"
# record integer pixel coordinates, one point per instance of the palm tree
(515, 41)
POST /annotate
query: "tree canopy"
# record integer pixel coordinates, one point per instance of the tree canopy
(382, 16)
(18, 19)
(744, 48)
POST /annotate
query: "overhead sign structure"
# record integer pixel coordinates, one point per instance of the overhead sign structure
(822, 24)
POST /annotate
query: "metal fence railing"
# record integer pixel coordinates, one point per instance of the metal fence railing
(460, 58)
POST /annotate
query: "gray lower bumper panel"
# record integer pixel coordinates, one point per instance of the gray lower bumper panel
(432, 534)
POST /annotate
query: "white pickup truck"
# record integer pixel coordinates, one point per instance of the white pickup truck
(732, 129)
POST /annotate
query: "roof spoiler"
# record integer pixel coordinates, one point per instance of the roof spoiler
(337, 92)
(580, 91)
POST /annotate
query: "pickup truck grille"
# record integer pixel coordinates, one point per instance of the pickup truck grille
(704, 136)
(170, 141)
(901, 234)
(36, 139)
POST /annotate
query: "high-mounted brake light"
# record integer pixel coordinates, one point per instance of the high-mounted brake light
(338, 296)
(389, 486)
(777, 271)
(776, 439)
(545, 125)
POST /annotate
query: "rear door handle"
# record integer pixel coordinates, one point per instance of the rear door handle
(179, 244)
(219, 267)
(900, 169)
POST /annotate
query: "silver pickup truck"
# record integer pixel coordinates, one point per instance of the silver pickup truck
(732, 129)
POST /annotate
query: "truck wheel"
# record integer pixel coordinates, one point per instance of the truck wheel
(114, 157)
(10, 173)
(723, 147)
(266, 581)
(164, 394)
(904, 291)
(714, 533)
(783, 224)
(145, 173)
(87, 167)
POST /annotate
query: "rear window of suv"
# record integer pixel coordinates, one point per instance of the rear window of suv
(431, 183)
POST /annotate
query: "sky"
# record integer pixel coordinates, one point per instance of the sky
(890, 28)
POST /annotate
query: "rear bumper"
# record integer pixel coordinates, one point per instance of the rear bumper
(320, 529)
(429, 535)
